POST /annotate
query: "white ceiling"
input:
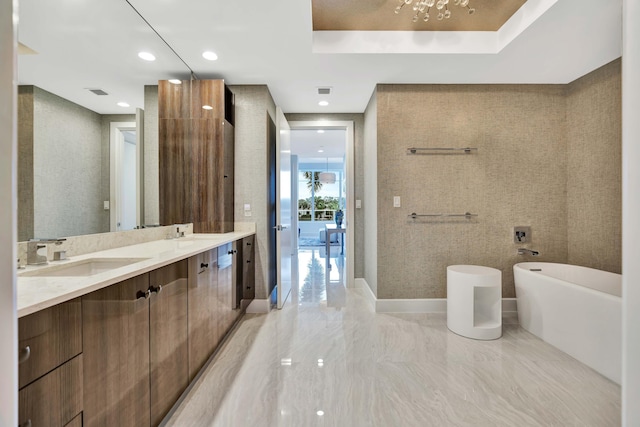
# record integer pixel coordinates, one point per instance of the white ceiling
(305, 143)
(94, 44)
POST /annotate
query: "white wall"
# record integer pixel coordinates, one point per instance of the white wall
(8, 235)
(630, 209)
(370, 200)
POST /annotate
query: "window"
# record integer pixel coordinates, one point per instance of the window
(318, 201)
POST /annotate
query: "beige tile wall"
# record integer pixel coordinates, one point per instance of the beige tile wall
(548, 157)
(65, 167)
(517, 177)
(594, 172)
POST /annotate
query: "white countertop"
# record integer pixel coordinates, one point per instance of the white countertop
(40, 292)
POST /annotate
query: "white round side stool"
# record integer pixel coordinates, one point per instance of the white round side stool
(474, 301)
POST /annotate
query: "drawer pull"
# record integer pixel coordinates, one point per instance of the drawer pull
(143, 295)
(26, 424)
(156, 290)
(204, 265)
(232, 252)
(25, 354)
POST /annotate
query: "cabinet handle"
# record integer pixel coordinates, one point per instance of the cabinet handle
(248, 261)
(156, 290)
(232, 252)
(25, 354)
(26, 424)
(143, 295)
(248, 244)
(203, 265)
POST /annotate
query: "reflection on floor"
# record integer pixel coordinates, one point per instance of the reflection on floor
(326, 359)
(319, 282)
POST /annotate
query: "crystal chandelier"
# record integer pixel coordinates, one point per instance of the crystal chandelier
(442, 6)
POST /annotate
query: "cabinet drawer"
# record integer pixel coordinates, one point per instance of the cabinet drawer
(49, 338)
(55, 399)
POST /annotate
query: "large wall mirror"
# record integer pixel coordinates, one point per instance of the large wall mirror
(87, 117)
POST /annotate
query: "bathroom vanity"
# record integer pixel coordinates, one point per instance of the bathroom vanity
(115, 337)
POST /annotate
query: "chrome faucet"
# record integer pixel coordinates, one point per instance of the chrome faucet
(523, 251)
(34, 245)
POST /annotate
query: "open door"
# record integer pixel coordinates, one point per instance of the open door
(283, 208)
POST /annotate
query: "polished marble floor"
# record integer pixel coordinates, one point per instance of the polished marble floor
(327, 359)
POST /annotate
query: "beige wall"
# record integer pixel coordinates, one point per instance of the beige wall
(253, 104)
(358, 130)
(67, 154)
(540, 148)
(594, 172)
(517, 177)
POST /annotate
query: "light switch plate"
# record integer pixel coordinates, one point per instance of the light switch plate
(358, 204)
(396, 201)
(105, 205)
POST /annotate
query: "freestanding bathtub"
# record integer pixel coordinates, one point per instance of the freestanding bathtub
(576, 309)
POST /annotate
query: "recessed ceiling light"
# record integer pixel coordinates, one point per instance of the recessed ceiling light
(175, 81)
(320, 151)
(146, 56)
(320, 413)
(207, 107)
(123, 104)
(320, 130)
(211, 56)
(323, 103)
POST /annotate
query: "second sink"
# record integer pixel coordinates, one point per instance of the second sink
(86, 267)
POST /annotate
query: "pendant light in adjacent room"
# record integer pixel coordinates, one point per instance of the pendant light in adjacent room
(327, 177)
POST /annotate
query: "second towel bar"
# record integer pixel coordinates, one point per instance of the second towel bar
(467, 215)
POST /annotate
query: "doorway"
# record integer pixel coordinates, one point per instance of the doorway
(327, 148)
(125, 198)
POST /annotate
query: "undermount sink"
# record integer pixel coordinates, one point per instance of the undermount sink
(85, 267)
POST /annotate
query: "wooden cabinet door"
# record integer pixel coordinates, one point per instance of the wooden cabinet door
(115, 331)
(169, 358)
(203, 321)
(226, 309)
(226, 197)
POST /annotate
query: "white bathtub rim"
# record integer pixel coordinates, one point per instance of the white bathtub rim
(524, 267)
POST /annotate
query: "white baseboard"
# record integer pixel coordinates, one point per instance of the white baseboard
(509, 305)
(259, 306)
(422, 305)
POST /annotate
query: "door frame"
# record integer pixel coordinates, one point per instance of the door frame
(349, 127)
(115, 158)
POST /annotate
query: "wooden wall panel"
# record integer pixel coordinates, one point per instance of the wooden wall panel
(175, 171)
(174, 100)
(196, 157)
(207, 92)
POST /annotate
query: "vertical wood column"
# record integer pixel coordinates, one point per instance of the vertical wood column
(196, 155)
